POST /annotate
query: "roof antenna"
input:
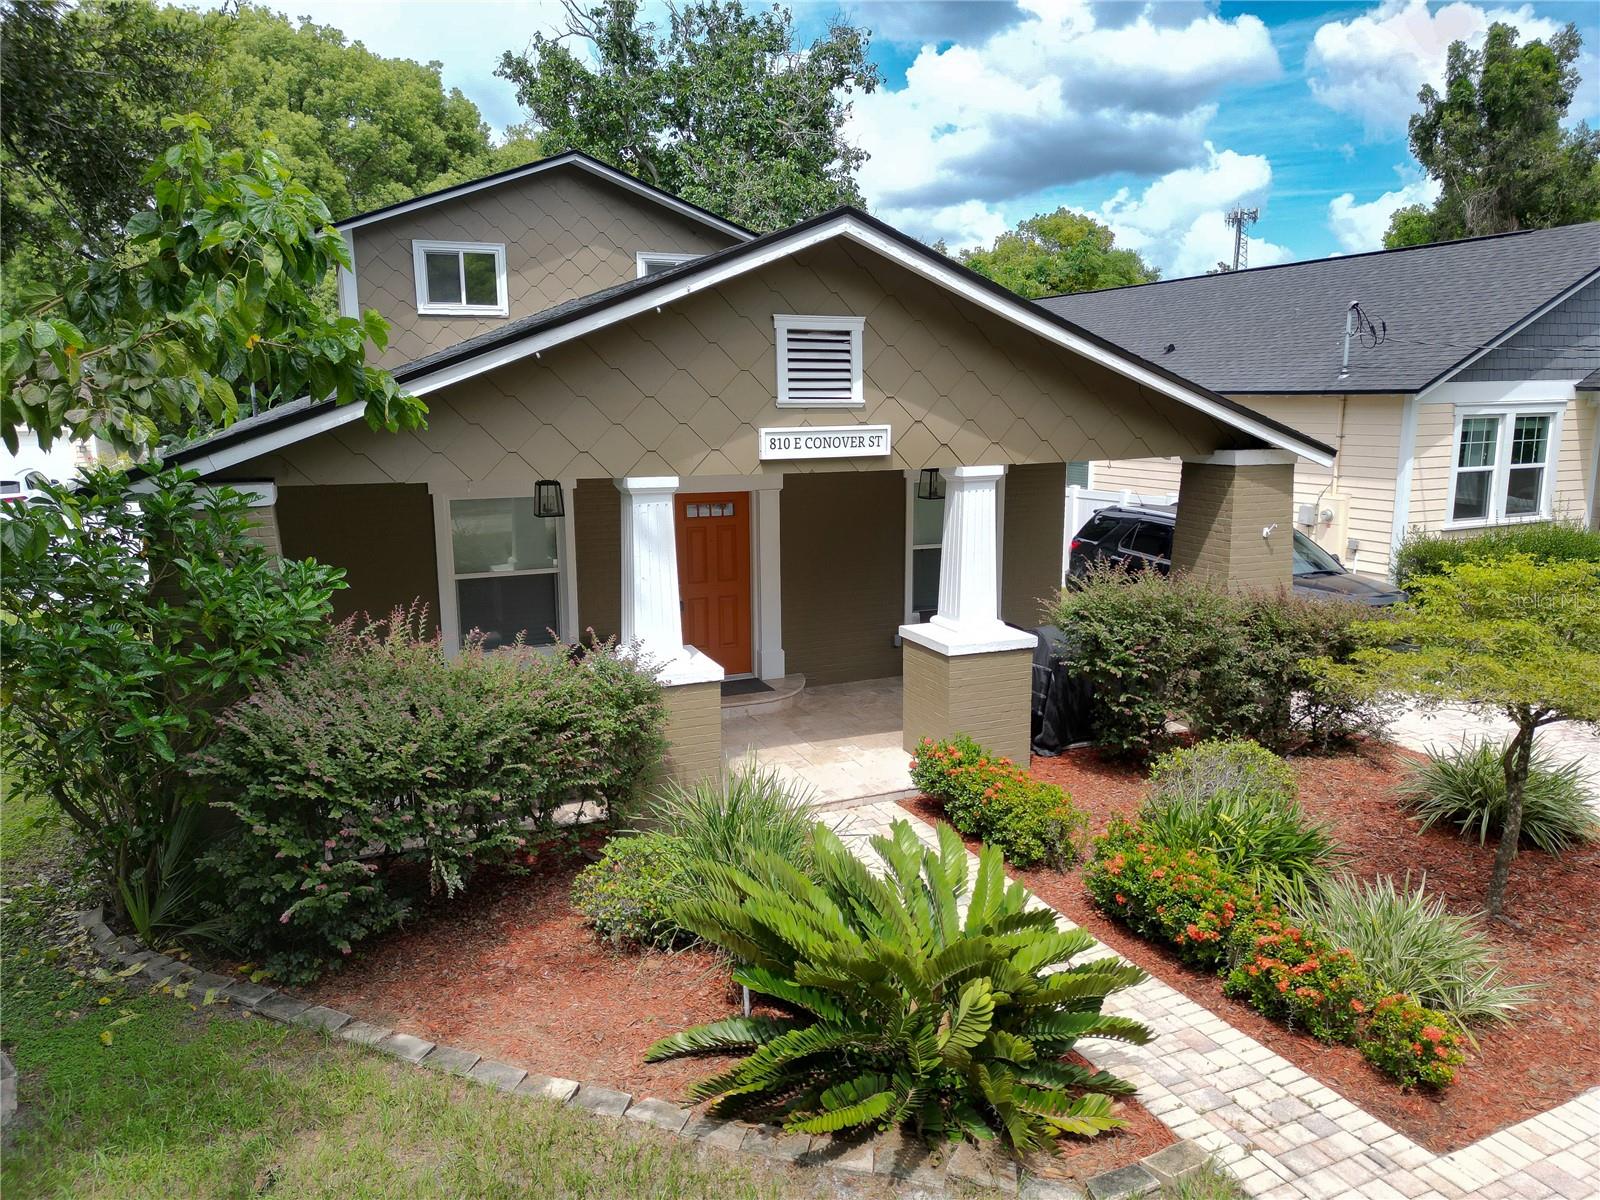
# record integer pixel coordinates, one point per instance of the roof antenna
(1357, 323)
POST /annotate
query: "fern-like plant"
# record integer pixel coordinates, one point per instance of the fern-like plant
(904, 1010)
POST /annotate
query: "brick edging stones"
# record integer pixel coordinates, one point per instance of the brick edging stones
(892, 1154)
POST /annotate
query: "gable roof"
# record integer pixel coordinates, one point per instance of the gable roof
(1281, 328)
(529, 336)
(569, 158)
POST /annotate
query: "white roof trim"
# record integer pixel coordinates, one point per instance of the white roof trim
(570, 159)
(845, 225)
(1553, 302)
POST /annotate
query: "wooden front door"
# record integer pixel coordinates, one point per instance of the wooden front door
(714, 576)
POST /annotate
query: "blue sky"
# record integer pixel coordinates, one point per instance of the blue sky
(1156, 117)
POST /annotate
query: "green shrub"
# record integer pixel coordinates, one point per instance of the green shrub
(131, 619)
(1291, 975)
(1238, 801)
(1423, 554)
(745, 812)
(1182, 897)
(1411, 1044)
(1466, 787)
(988, 797)
(379, 750)
(1408, 943)
(905, 1012)
(1156, 648)
(628, 895)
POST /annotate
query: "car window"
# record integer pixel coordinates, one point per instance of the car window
(9, 487)
(1153, 540)
(1312, 559)
(1098, 528)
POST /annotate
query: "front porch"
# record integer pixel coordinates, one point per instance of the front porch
(838, 744)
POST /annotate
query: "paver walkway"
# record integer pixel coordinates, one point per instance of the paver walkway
(1453, 725)
(1285, 1134)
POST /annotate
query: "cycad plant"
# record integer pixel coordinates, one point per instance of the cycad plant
(903, 1009)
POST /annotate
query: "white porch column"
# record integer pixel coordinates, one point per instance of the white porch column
(651, 617)
(967, 671)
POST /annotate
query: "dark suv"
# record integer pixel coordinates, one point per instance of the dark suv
(1140, 539)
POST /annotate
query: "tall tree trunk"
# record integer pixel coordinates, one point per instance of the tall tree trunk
(1514, 763)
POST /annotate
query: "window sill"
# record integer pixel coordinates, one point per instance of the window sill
(462, 310)
(1530, 519)
(833, 404)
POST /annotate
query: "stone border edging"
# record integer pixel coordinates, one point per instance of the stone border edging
(893, 1154)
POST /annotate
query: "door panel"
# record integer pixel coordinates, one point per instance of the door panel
(714, 576)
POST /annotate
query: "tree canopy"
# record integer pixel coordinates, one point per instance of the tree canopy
(1494, 140)
(725, 109)
(1057, 252)
(212, 305)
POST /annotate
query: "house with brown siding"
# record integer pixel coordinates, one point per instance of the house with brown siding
(823, 455)
(1466, 395)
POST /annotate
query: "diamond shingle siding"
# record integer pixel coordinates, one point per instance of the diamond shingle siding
(682, 391)
(1562, 344)
(566, 233)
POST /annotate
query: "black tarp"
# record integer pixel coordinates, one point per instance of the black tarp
(1060, 701)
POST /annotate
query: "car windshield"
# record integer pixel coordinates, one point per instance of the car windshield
(1312, 559)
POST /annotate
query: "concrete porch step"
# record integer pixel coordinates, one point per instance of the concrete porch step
(782, 694)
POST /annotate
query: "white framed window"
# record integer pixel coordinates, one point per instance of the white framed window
(819, 361)
(653, 262)
(460, 278)
(503, 569)
(925, 534)
(1502, 466)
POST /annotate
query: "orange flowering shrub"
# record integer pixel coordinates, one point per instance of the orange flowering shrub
(1182, 897)
(1293, 976)
(1412, 1044)
(989, 797)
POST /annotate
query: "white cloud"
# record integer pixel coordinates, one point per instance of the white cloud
(1360, 227)
(1056, 99)
(1371, 66)
(1177, 224)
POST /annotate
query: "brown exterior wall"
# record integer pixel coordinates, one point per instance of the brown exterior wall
(985, 696)
(843, 567)
(263, 528)
(566, 234)
(1030, 560)
(694, 731)
(381, 534)
(1221, 513)
(597, 528)
(683, 392)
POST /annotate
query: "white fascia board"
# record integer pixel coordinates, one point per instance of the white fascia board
(1559, 299)
(1017, 311)
(1503, 391)
(620, 178)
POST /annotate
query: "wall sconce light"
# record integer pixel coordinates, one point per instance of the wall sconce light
(930, 484)
(547, 501)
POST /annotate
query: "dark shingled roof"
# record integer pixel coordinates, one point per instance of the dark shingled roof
(1281, 329)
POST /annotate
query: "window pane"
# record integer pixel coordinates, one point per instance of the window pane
(503, 608)
(1524, 490)
(1478, 437)
(483, 279)
(925, 581)
(444, 276)
(1154, 540)
(1530, 440)
(1472, 496)
(501, 535)
(927, 522)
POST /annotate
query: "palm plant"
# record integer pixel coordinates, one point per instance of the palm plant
(902, 1010)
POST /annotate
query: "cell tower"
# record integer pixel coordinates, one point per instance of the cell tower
(1237, 220)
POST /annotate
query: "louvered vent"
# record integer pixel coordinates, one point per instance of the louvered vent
(819, 361)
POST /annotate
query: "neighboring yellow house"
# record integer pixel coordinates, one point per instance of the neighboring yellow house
(1465, 395)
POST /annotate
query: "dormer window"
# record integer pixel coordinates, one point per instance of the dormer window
(653, 262)
(460, 278)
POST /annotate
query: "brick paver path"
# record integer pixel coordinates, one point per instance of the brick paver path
(1283, 1133)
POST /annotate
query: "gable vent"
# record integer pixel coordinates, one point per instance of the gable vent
(819, 362)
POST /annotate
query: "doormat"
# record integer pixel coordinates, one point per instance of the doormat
(744, 687)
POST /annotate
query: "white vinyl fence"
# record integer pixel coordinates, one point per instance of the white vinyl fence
(1083, 503)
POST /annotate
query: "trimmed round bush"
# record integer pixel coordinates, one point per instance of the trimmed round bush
(1237, 801)
(1466, 787)
(1411, 1044)
(629, 893)
(1292, 975)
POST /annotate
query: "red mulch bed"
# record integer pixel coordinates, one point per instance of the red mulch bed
(511, 972)
(1550, 1054)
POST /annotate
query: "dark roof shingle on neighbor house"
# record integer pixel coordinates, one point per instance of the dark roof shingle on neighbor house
(1281, 328)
